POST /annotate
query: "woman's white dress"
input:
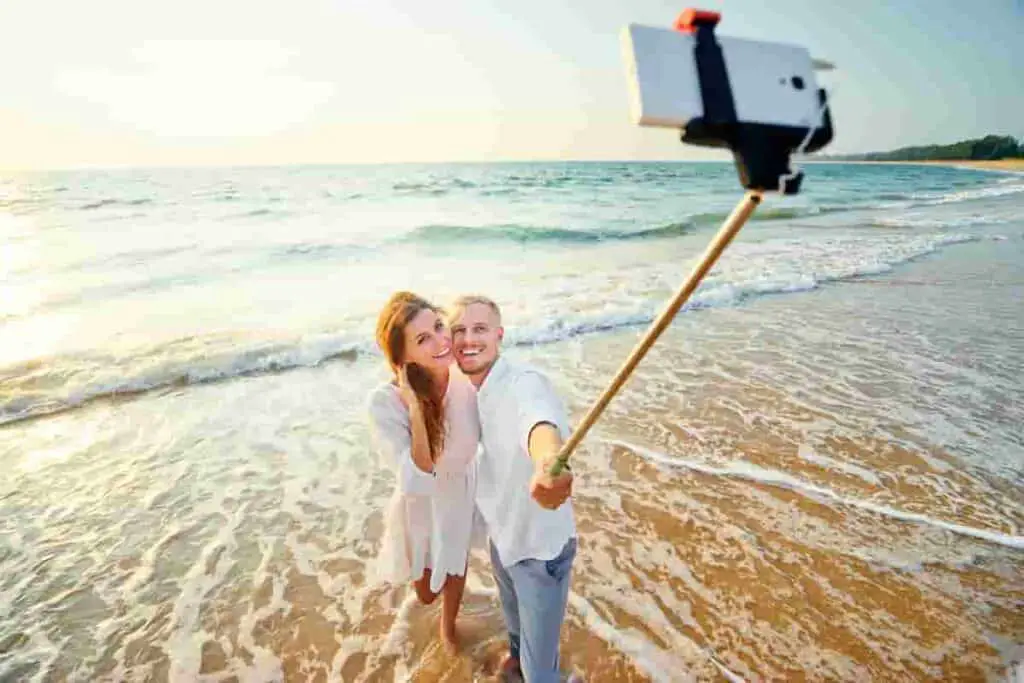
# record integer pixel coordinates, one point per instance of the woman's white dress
(429, 521)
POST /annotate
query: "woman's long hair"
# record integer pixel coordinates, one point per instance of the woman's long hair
(400, 309)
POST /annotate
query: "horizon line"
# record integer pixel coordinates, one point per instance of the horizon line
(462, 162)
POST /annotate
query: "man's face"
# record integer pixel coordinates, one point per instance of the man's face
(476, 337)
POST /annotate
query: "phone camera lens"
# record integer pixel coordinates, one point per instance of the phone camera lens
(797, 82)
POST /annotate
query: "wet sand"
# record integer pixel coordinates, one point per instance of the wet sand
(825, 486)
(761, 514)
(996, 165)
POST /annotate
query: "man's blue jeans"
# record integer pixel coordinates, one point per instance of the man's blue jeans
(533, 597)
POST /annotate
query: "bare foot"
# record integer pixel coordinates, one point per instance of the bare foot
(450, 639)
(509, 668)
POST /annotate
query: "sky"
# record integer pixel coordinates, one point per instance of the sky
(198, 82)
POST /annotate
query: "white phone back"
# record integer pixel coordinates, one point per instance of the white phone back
(665, 91)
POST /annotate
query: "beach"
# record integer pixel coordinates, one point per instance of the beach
(1016, 165)
(1010, 165)
(816, 474)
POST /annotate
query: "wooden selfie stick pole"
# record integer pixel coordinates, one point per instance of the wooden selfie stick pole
(725, 235)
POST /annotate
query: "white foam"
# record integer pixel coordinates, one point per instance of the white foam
(805, 452)
(998, 190)
(560, 328)
(52, 651)
(266, 666)
(397, 638)
(757, 269)
(751, 472)
(103, 377)
(140, 577)
(185, 641)
(659, 665)
(934, 222)
(769, 267)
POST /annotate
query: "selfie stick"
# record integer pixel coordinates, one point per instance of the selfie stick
(762, 156)
(725, 235)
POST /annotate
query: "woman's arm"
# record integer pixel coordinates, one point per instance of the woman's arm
(420, 448)
(392, 429)
(420, 442)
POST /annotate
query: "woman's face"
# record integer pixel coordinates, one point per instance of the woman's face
(428, 342)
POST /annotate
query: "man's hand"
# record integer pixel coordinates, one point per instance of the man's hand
(550, 492)
(544, 444)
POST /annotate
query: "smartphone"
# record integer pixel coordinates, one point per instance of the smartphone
(772, 84)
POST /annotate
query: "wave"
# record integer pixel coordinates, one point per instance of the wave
(999, 189)
(750, 472)
(513, 232)
(413, 187)
(540, 180)
(722, 294)
(778, 213)
(725, 294)
(528, 234)
(884, 201)
(101, 203)
(657, 663)
(253, 213)
(514, 183)
(934, 223)
(84, 379)
(148, 271)
(433, 188)
(66, 382)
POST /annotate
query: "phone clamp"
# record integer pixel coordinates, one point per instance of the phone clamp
(762, 151)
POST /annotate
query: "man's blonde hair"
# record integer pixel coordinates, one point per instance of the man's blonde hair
(463, 302)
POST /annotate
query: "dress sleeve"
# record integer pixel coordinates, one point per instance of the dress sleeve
(391, 438)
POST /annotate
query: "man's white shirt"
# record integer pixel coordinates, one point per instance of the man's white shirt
(512, 400)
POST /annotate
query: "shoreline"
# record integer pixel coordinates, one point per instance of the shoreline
(1004, 165)
(1016, 165)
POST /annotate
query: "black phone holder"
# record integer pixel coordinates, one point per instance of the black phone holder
(761, 151)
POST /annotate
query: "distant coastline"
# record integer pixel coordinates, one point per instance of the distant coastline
(992, 152)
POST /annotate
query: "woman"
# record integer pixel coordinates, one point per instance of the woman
(425, 425)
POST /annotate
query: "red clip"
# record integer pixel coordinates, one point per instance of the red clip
(690, 19)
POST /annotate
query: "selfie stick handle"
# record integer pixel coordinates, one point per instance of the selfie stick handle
(725, 235)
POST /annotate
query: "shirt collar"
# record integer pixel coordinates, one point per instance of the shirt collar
(494, 377)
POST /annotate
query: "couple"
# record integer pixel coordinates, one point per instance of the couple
(451, 391)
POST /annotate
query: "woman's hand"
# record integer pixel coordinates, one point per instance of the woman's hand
(405, 391)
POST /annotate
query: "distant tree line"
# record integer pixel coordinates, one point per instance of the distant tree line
(988, 147)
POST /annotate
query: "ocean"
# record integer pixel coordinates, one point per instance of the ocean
(816, 474)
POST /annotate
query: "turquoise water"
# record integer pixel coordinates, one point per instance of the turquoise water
(124, 281)
(184, 353)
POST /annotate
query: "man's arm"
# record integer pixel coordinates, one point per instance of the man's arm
(544, 444)
(542, 422)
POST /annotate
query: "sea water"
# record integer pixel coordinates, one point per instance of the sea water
(818, 471)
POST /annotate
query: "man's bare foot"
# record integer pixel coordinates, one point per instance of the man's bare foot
(450, 639)
(509, 667)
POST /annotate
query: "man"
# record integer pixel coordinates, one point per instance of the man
(528, 515)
